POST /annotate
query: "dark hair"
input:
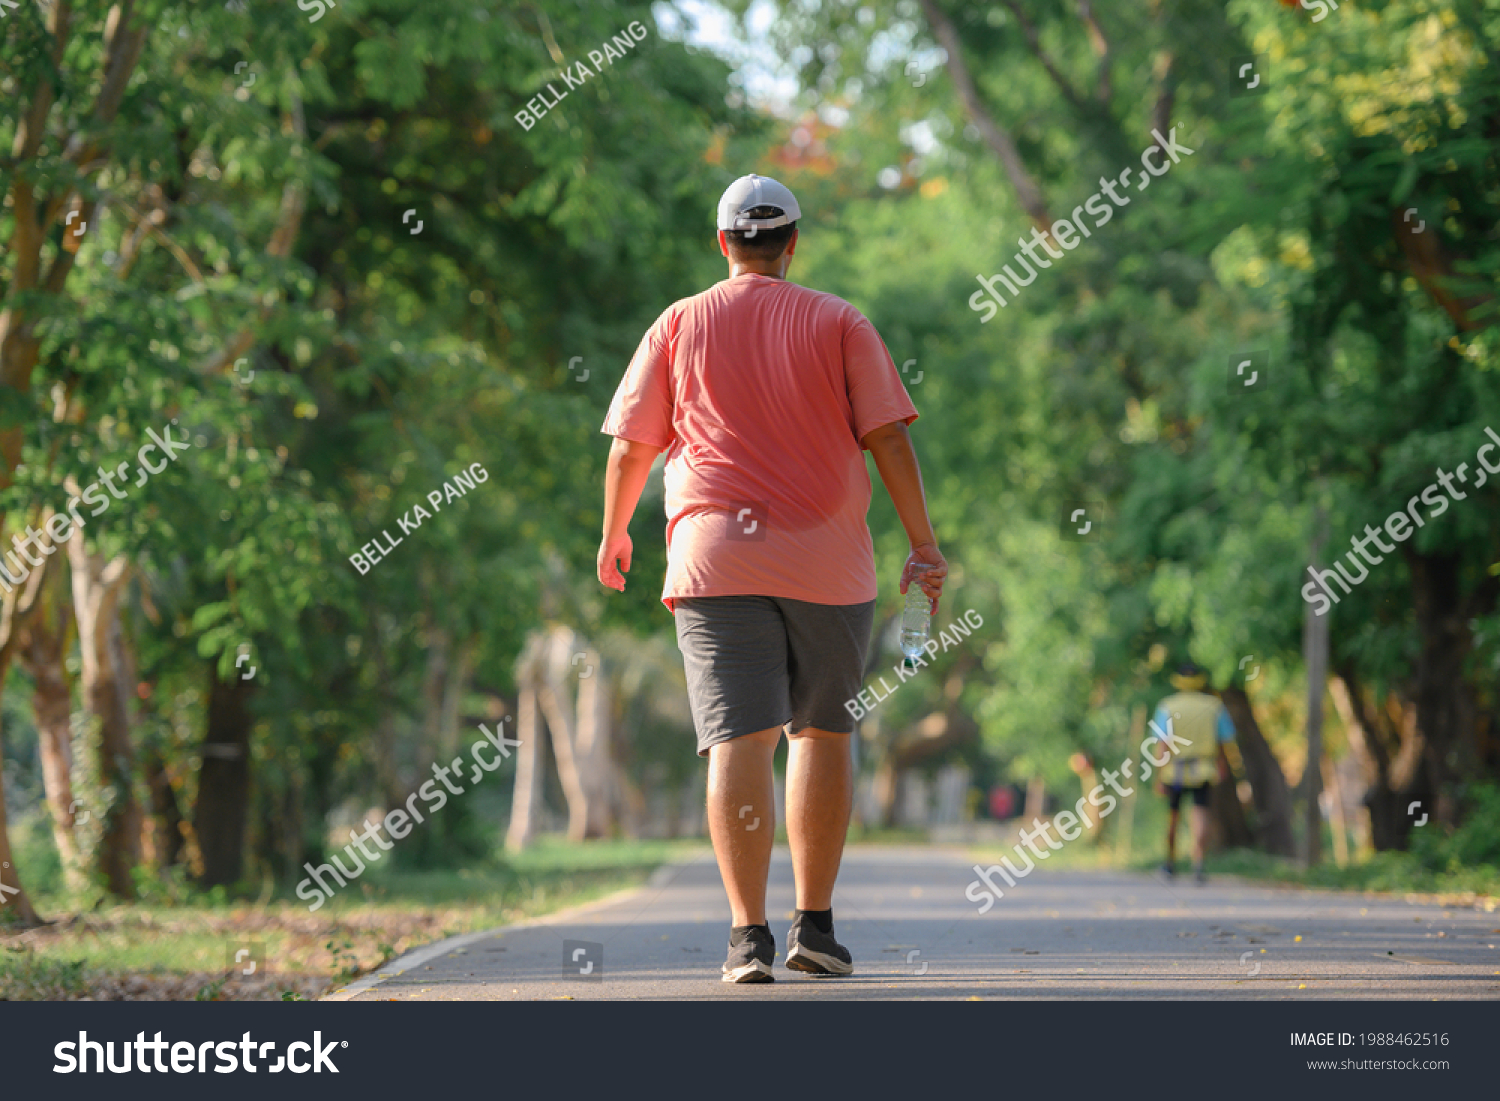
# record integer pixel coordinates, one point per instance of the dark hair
(1191, 669)
(760, 244)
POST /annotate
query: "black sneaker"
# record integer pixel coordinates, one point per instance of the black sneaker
(751, 950)
(1168, 871)
(1200, 877)
(810, 950)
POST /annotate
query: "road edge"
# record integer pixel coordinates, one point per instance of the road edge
(416, 957)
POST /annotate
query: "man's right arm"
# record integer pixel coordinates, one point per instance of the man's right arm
(895, 458)
(625, 474)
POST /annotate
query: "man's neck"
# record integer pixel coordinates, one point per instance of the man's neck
(771, 271)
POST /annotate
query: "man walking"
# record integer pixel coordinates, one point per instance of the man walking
(765, 395)
(1199, 723)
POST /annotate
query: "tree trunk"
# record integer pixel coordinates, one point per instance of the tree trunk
(16, 609)
(1446, 709)
(939, 731)
(435, 677)
(1226, 817)
(455, 684)
(1121, 855)
(393, 787)
(1339, 828)
(13, 897)
(1036, 799)
(1389, 749)
(42, 652)
(1268, 788)
(887, 790)
(163, 841)
(631, 807)
(593, 749)
(528, 791)
(1083, 768)
(556, 704)
(97, 586)
(223, 805)
(1315, 657)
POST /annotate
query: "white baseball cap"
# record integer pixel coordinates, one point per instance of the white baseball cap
(752, 191)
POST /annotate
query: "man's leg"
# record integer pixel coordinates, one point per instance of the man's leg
(739, 776)
(1172, 835)
(827, 644)
(819, 798)
(1200, 834)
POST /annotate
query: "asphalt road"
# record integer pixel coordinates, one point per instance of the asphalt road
(902, 912)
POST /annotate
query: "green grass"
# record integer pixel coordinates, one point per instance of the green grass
(1391, 872)
(881, 835)
(184, 948)
(26, 976)
(1457, 865)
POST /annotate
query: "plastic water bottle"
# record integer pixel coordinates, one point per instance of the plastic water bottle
(916, 618)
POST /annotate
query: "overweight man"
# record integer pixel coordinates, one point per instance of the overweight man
(765, 396)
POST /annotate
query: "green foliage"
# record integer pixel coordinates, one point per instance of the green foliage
(210, 991)
(27, 976)
(455, 837)
(267, 227)
(1474, 843)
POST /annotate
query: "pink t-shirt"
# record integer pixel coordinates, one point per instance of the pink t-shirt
(760, 390)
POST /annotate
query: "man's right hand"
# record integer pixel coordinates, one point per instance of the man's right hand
(613, 549)
(930, 580)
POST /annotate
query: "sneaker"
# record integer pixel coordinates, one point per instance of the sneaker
(750, 959)
(1168, 871)
(1200, 877)
(810, 950)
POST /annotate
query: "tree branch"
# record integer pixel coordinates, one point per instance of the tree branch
(1433, 267)
(1034, 41)
(283, 237)
(1027, 191)
(1166, 92)
(1105, 91)
(1165, 78)
(17, 608)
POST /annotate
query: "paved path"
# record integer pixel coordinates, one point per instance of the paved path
(1055, 935)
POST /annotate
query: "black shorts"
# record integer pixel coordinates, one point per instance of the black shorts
(754, 662)
(1200, 795)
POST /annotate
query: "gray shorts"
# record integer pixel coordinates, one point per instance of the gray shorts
(754, 662)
